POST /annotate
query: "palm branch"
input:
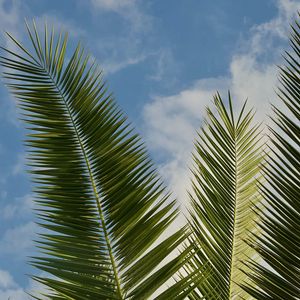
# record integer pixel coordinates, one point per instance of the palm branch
(100, 200)
(279, 245)
(224, 189)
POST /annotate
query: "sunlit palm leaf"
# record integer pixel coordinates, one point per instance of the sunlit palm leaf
(100, 200)
(280, 243)
(226, 165)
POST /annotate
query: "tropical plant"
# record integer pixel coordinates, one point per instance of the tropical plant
(105, 212)
(227, 202)
(226, 168)
(101, 203)
(279, 243)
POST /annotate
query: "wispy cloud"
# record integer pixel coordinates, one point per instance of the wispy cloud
(6, 280)
(129, 9)
(14, 294)
(60, 24)
(18, 240)
(164, 67)
(21, 207)
(9, 14)
(18, 167)
(9, 289)
(171, 122)
(117, 52)
(113, 65)
(114, 5)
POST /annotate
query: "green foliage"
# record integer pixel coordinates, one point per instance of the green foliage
(279, 244)
(226, 167)
(105, 212)
(100, 199)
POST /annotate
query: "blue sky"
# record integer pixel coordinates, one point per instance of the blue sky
(163, 60)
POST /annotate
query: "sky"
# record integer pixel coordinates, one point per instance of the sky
(163, 61)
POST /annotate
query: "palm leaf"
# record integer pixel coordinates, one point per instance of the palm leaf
(279, 245)
(100, 200)
(226, 165)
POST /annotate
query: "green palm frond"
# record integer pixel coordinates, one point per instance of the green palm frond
(226, 167)
(100, 200)
(279, 245)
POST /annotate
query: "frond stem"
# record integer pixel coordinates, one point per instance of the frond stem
(96, 193)
(235, 212)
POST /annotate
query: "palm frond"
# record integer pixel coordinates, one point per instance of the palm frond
(279, 245)
(226, 167)
(100, 200)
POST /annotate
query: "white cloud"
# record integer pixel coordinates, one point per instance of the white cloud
(6, 280)
(255, 81)
(112, 65)
(18, 167)
(171, 124)
(38, 289)
(14, 294)
(10, 12)
(171, 121)
(17, 241)
(177, 115)
(9, 16)
(117, 52)
(114, 5)
(9, 289)
(21, 207)
(60, 24)
(165, 66)
(3, 194)
(130, 10)
(288, 8)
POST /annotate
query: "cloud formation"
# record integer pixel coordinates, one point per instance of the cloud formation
(126, 48)
(18, 241)
(6, 280)
(9, 289)
(171, 122)
(114, 5)
(20, 208)
(130, 10)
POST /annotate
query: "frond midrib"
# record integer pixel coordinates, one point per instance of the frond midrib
(94, 187)
(234, 138)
